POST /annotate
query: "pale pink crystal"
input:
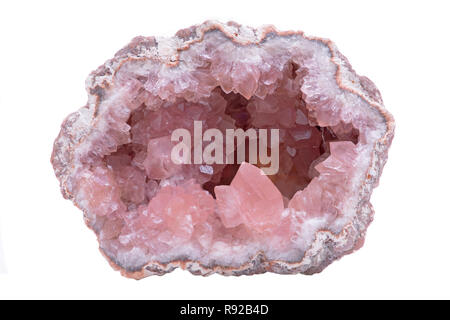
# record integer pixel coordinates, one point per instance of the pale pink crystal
(158, 163)
(251, 199)
(180, 208)
(151, 215)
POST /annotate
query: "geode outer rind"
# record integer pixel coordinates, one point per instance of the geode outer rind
(327, 245)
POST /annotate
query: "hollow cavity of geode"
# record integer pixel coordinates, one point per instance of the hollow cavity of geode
(112, 157)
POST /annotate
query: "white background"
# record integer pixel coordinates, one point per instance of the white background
(47, 48)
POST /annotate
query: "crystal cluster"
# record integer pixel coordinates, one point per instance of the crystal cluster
(151, 215)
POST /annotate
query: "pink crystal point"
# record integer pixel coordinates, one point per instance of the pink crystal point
(152, 215)
(324, 194)
(251, 199)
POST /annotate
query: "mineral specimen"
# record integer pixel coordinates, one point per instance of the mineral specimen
(152, 215)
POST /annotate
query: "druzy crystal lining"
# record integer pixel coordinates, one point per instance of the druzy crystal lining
(151, 215)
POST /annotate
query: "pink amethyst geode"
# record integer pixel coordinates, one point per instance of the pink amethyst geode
(112, 157)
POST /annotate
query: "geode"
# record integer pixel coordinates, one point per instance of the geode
(151, 215)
